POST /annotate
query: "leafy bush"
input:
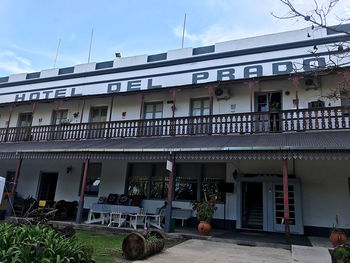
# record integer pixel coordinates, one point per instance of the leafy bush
(39, 244)
(204, 210)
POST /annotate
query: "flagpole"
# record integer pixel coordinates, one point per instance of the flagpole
(92, 35)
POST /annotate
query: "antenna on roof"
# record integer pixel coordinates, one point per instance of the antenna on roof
(58, 49)
(183, 32)
(92, 35)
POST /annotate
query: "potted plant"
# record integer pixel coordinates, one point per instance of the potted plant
(204, 212)
(337, 236)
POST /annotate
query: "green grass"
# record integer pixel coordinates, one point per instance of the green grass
(108, 247)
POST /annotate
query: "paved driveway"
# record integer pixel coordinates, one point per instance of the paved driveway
(194, 251)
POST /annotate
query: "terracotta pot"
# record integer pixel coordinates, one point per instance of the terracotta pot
(337, 238)
(204, 228)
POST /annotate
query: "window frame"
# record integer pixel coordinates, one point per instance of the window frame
(154, 104)
(201, 99)
(87, 176)
(58, 113)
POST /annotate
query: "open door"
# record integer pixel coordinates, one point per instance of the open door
(252, 205)
(47, 186)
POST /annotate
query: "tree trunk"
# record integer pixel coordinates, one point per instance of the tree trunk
(135, 245)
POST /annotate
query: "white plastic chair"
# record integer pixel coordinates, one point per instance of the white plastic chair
(139, 219)
(116, 217)
(157, 219)
(98, 215)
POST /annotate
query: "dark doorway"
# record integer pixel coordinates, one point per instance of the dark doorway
(271, 103)
(252, 205)
(47, 186)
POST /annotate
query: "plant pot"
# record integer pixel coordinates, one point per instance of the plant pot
(337, 238)
(204, 228)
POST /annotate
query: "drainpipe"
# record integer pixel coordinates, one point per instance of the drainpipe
(171, 187)
(82, 111)
(82, 191)
(13, 190)
(286, 200)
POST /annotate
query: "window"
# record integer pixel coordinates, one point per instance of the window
(98, 114)
(93, 179)
(10, 177)
(144, 176)
(61, 118)
(153, 110)
(200, 107)
(214, 176)
(152, 180)
(345, 98)
(139, 176)
(186, 182)
(25, 119)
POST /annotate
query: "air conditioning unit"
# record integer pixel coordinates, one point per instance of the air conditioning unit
(222, 93)
(312, 83)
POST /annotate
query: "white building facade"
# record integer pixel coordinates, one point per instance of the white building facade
(235, 118)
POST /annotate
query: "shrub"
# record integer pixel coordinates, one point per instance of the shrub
(39, 244)
(204, 210)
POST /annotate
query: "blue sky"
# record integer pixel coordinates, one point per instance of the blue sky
(30, 29)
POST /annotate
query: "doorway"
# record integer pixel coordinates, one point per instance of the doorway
(271, 103)
(47, 186)
(252, 205)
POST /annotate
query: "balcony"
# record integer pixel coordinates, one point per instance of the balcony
(331, 118)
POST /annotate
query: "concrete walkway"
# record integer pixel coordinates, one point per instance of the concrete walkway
(198, 251)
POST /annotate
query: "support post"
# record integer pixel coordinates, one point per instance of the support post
(296, 86)
(82, 111)
(58, 103)
(286, 200)
(141, 105)
(171, 187)
(8, 122)
(82, 191)
(251, 87)
(13, 190)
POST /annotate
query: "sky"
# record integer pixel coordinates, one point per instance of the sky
(30, 29)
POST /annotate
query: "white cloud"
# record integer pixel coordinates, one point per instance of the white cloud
(13, 63)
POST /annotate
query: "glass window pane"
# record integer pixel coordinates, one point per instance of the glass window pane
(205, 111)
(196, 104)
(212, 191)
(159, 107)
(158, 115)
(93, 179)
(196, 112)
(148, 115)
(206, 103)
(185, 191)
(149, 108)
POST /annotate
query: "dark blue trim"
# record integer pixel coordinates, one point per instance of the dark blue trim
(345, 27)
(33, 75)
(4, 79)
(106, 64)
(63, 71)
(157, 57)
(175, 72)
(213, 56)
(203, 50)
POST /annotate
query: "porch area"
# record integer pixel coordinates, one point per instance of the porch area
(243, 175)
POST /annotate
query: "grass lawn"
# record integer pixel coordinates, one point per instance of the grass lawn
(108, 247)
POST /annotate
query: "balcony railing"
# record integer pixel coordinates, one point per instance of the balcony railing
(331, 118)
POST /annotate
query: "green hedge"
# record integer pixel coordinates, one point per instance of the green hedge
(34, 244)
